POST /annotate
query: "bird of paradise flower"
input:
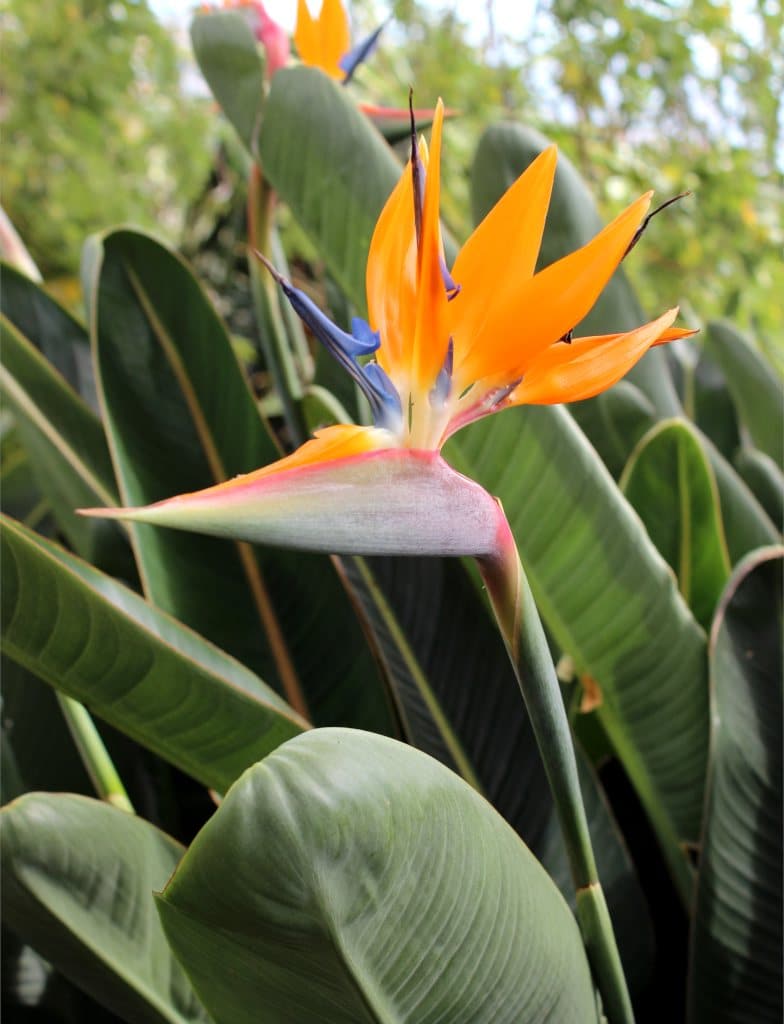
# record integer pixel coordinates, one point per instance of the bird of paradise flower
(443, 349)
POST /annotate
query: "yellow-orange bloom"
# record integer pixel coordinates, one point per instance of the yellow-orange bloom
(452, 349)
(324, 40)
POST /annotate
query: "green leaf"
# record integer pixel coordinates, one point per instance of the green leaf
(231, 61)
(615, 423)
(66, 445)
(714, 409)
(746, 524)
(736, 971)
(330, 166)
(609, 600)
(61, 339)
(669, 482)
(336, 189)
(764, 479)
(158, 682)
(78, 881)
(504, 152)
(351, 878)
(435, 639)
(753, 384)
(179, 417)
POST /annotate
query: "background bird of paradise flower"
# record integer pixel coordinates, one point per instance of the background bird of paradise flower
(650, 630)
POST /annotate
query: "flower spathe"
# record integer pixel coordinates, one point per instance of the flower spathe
(450, 348)
(441, 350)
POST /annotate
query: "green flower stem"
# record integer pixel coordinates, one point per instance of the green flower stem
(94, 754)
(277, 351)
(526, 644)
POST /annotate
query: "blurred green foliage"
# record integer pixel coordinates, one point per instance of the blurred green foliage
(673, 96)
(96, 127)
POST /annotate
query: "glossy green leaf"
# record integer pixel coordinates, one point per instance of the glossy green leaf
(65, 443)
(764, 479)
(20, 495)
(609, 600)
(78, 882)
(616, 422)
(753, 384)
(179, 417)
(231, 61)
(746, 523)
(132, 665)
(61, 339)
(351, 878)
(714, 410)
(669, 482)
(736, 964)
(503, 153)
(604, 591)
(330, 166)
(435, 639)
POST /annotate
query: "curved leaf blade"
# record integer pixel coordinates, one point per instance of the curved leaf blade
(736, 970)
(609, 600)
(754, 386)
(60, 338)
(669, 482)
(78, 881)
(505, 150)
(330, 166)
(65, 442)
(231, 62)
(457, 699)
(345, 864)
(132, 665)
(180, 417)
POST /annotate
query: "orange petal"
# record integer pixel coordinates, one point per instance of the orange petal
(321, 42)
(336, 442)
(391, 276)
(588, 366)
(489, 276)
(431, 332)
(551, 303)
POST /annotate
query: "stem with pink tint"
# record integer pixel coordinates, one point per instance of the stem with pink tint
(521, 628)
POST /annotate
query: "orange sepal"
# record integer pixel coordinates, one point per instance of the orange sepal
(551, 303)
(588, 366)
(431, 337)
(322, 41)
(390, 279)
(499, 256)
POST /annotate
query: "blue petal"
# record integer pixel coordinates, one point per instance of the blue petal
(350, 61)
(345, 348)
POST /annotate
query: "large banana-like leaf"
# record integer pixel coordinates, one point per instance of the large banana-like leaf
(764, 479)
(736, 968)
(351, 878)
(604, 591)
(65, 443)
(331, 167)
(78, 882)
(458, 700)
(231, 62)
(179, 416)
(61, 339)
(148, 675)
(609, 600)
(670, 483)
(503, 153)
(754, 386)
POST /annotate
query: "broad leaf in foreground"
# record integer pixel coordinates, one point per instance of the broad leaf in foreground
(350, 878)
(736, 970)
(78, 882)
(146, 674)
